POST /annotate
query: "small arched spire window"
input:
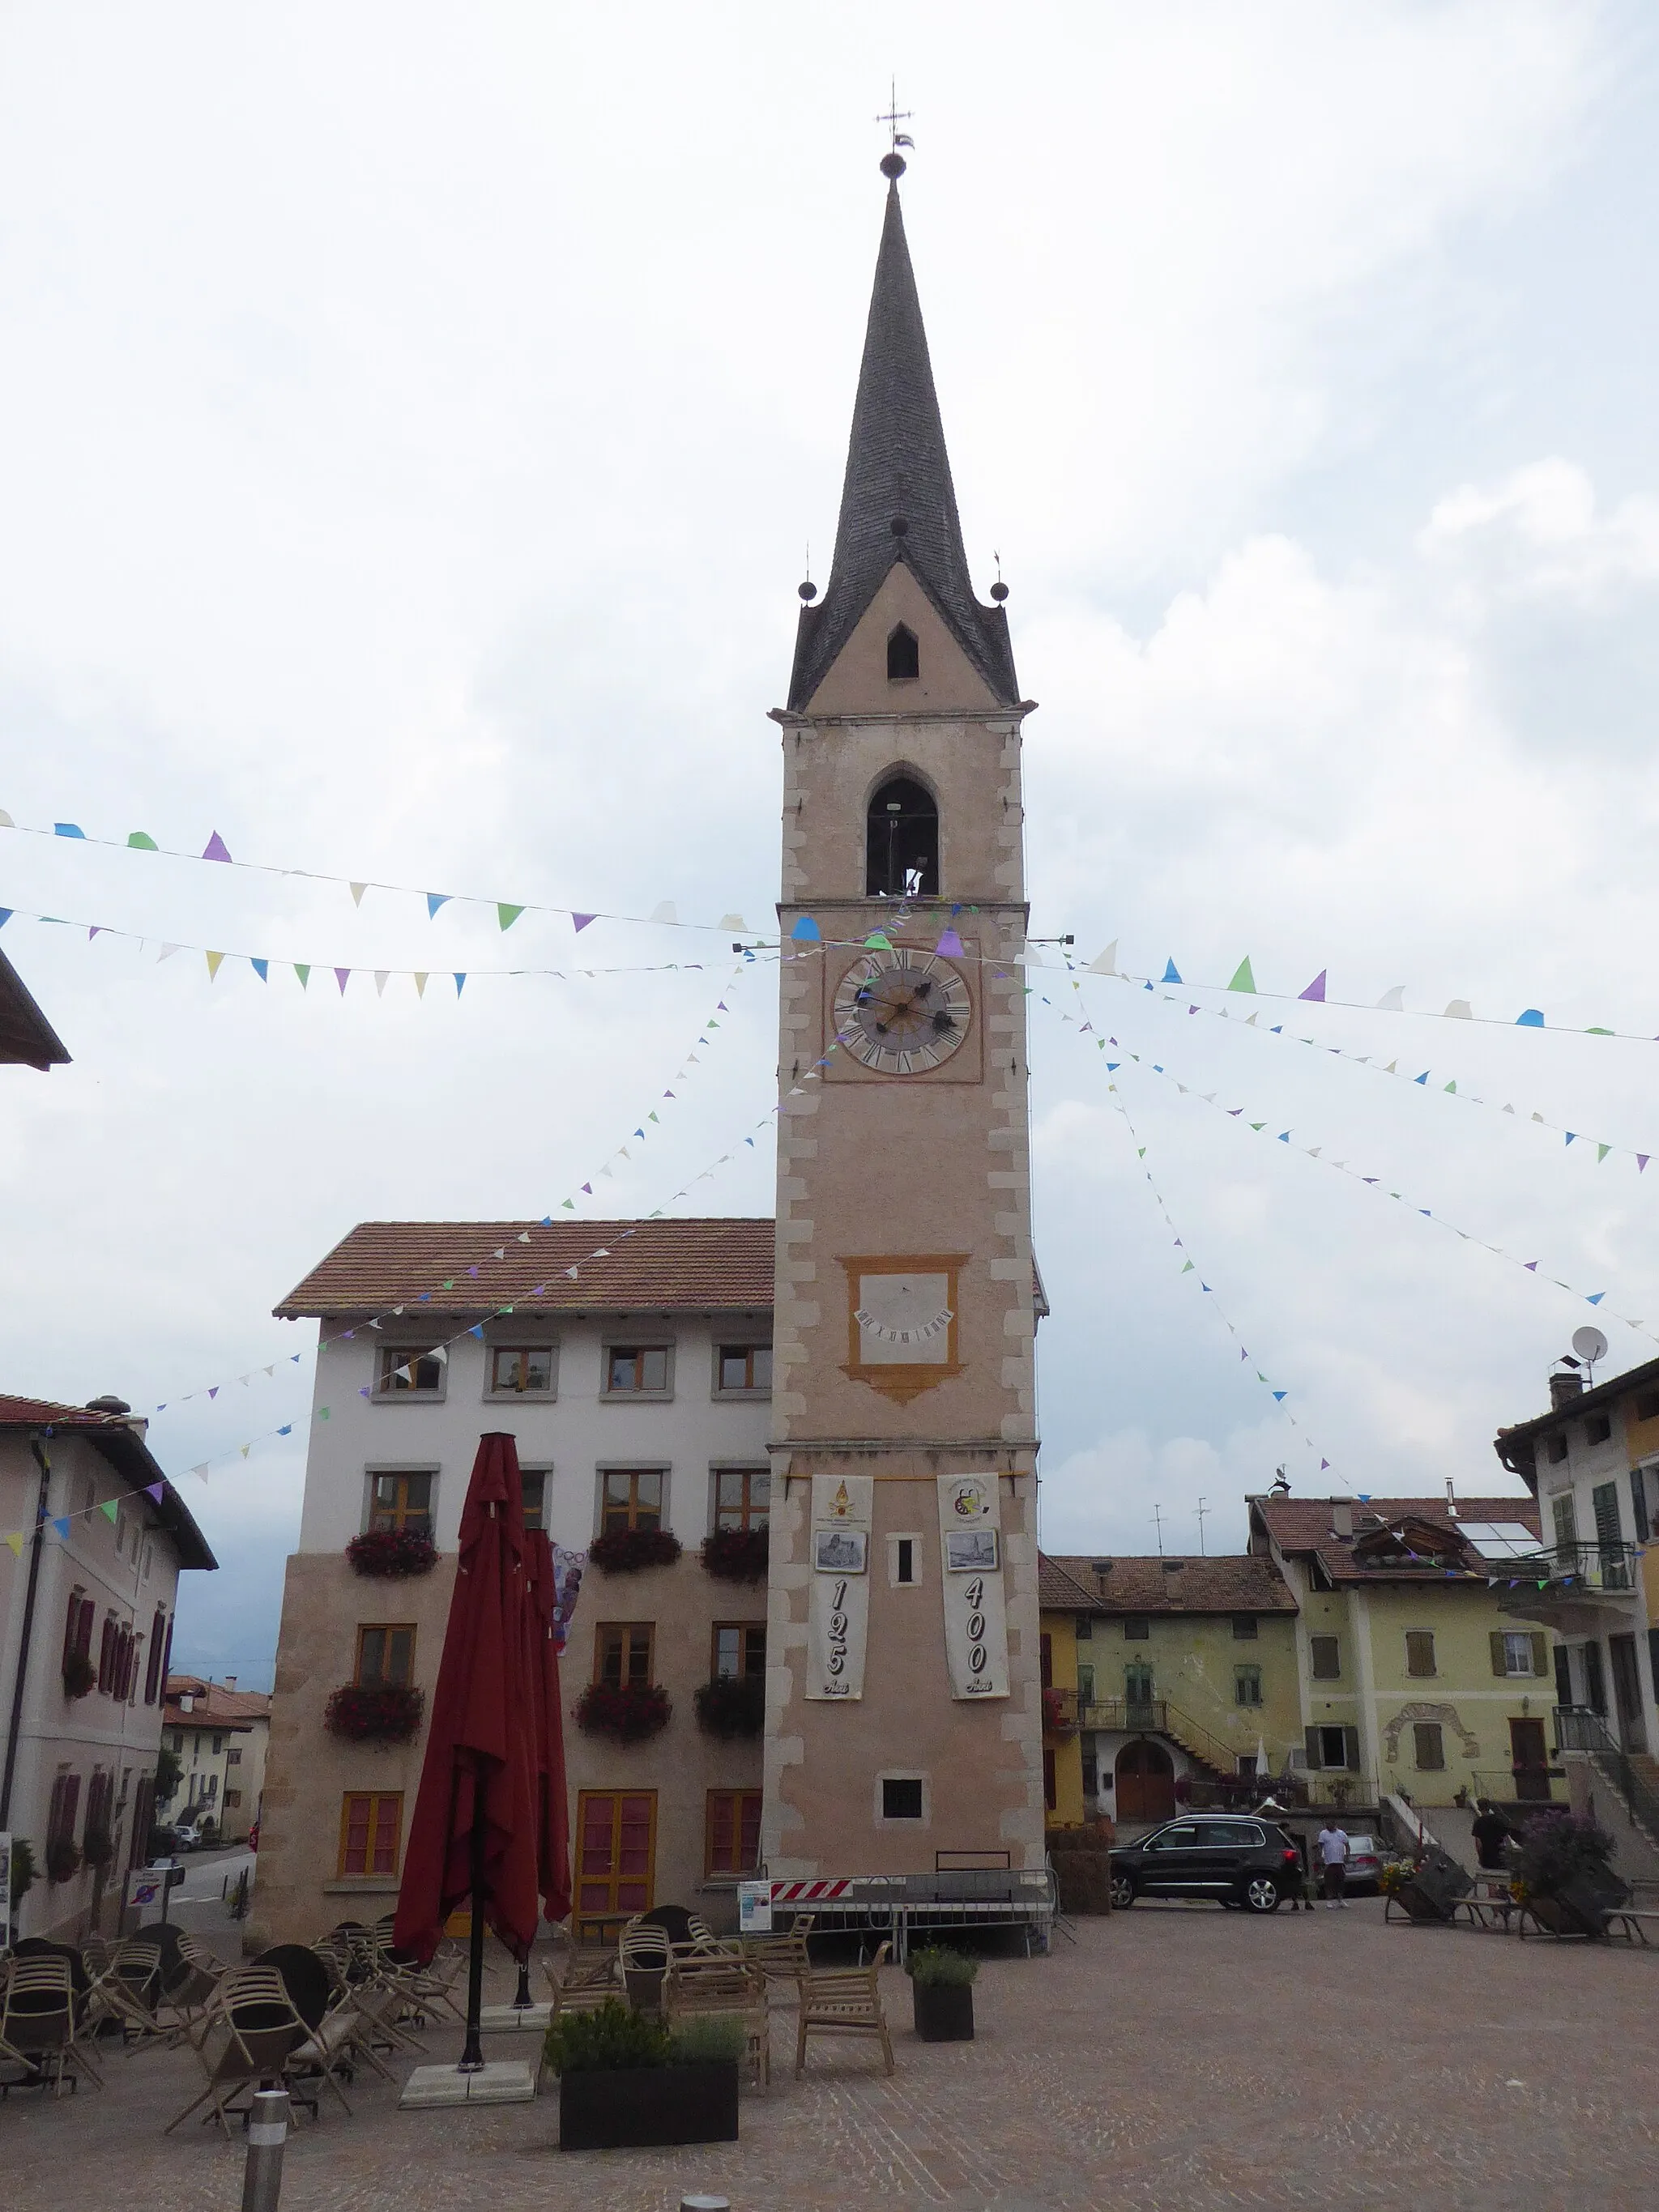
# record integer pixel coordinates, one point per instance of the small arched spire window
(902, 842)
(904, 655)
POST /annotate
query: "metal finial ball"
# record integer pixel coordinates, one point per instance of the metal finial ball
(807, 591)
(899, 526)
(893, 165)
(999, 591)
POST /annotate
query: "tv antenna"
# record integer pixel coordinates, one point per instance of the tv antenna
(1203, 1510)
(1590, 1345)
(1157, 1517)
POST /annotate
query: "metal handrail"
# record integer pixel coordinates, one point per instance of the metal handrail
(1602, 1566)
(1579, 1728)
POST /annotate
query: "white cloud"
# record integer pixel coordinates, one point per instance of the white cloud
(1537, 535)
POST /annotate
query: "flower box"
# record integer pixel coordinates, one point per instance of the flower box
(1058, 1717)
(732, 1706)
(625, 1551)
(944, 2011)
(627, 1716)
(737, 1555)
(63, 1859)
(389, 1712)
(384, 1552)
(80, 1675)
(647, 2106)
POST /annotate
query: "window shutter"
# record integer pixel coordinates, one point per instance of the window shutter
(1350, 1749)
(1500, 1663)
(83, 1633)
(1540, 1652)
(72, 1626)
(1314, 1760)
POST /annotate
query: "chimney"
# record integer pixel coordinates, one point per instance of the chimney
(1341, 1517)
(1563, 1388)
(230, 1681)
(1452, 1501)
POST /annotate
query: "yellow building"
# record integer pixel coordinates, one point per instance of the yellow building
(1164, 1679)
(1412, 1679)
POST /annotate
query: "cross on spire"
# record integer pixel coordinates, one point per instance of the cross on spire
(895, 116)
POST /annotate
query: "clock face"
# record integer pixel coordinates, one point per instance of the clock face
(901, 1012)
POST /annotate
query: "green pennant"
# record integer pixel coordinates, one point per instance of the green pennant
(1258, 1125)
(141, 841)
(303, 971)
(109, 1508)
(1243, 981)
(1188, 1269)
(507, 915)
(1601, 1151)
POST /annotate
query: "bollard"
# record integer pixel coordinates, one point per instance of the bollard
(267, 2132)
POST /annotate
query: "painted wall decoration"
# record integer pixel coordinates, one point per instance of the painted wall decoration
(975, 1616)
(842, 1506)
(901, 1322)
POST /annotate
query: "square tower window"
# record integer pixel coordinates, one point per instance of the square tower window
(902, 842)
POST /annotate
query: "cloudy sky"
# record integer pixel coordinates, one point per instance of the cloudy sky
(416, 420)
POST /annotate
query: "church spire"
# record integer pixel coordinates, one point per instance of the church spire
(897, 502)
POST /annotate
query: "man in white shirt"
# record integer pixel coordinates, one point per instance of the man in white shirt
(1333, 1857)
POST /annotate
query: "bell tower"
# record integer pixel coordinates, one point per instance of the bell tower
(903, 1696)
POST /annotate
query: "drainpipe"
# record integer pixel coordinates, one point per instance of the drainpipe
(40, 1503)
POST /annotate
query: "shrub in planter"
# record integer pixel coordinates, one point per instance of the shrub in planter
(942, 1993)
(80, 1675)
(1562, 1870)
(97, 1847)
(24, 1872)
(732, 1706)
(625, 1551)
(628, 1716)
(63, 1859)
(737, 1555)
(624, 2083)
(388, 1713)
(388, 1551)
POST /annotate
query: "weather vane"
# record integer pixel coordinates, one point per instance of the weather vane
(895, 116)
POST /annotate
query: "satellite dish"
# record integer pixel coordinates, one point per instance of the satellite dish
(1591, 1344)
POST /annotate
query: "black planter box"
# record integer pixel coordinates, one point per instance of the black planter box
(1585, 1901)
(1435, 1888)
(944, 2011)
(646, 2105)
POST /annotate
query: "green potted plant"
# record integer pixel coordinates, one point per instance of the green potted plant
(626, 2084)
(80, 1675)
(942, 1993)
(1563, 1872)
(23, 1871)
(63, 1859)
(731, 1705)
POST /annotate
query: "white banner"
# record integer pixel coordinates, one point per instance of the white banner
(971, 1555)
(840, 1560)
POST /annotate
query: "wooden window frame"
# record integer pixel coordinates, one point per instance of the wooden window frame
(543, 1476)
(513, 1394)
(750, 1516)
(738, 1802)
(400, 1514)
(632, 1476)
(634, 1347)
(741, 1348)
(745, 1631)
(367, 1628)
(396, 1356)
(375, 1799)
(628, 1631)
(1248, 1676)
(583, 1914)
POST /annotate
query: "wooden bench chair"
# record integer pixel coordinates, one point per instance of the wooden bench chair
(704, 1986)
(843, 2000)
(37, 2027)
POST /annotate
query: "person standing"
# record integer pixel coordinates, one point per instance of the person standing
(1333, 1857)
(1491, 1832)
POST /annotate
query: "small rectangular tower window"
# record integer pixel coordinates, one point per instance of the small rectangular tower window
(901, 1797)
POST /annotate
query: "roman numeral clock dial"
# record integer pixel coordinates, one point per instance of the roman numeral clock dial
(901, 1014)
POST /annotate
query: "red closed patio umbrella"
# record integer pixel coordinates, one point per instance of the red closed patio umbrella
(474, 1835)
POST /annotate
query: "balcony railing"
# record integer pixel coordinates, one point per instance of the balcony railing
(1139, 1716)
(1587, 1566)
(1579, 1728)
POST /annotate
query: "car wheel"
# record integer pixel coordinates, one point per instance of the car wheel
(1262, 1894)
(1123, 1891)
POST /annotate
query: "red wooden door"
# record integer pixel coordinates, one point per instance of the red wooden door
(1145, 1782)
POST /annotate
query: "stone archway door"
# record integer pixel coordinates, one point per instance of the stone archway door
(1144, 1782)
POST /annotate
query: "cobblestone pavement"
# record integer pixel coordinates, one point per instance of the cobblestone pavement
(1172, 2057)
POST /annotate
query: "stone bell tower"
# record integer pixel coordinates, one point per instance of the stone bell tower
(904, 1704)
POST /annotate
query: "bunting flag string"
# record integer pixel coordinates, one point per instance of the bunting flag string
(1427, 1079)
(1317, 994)
(664, 915)
(1379, 1184)
(1189, 1266)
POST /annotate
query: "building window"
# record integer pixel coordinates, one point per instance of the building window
(61, 1811)
(903, 1566)
(386, 1657)
(1090, 1775)
(1647, 1405)
(739, 1648)
(403, 1502)
(406, 1372)
(533, 1483)
(1555, 1447)
(108, 1670)
(1597, 1428)
(904, 655)
(233, 1799)
(1085, 1684)
(1638, 1505)
(1595, 1680)
(78, 1627)
(1566, 1527)
(743, 1496)
(1137, 1629)
(632, 1370)
(615, 1852)
(1325, 1652)
(177, 1740)
(1050, 1779)
(622, 1654)
(1429, 1747)
(232, 1756)
(744, 1370)
(630, 1497)
(371, 1829)
(901, 1797)
(218, 1745)
(1420, 1652)
(1244, 1628)
(158, 1629)
(1138, 1684)
(1247, 1685)
(902, 842)
(1083, 1628)
(518, 1370)
(1520, 1651)
(1609, 1535)
(731, 1832)
(1335, 1748)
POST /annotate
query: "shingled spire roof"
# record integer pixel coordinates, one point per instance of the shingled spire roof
(899, 472)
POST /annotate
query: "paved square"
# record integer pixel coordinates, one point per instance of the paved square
(1172, 2057)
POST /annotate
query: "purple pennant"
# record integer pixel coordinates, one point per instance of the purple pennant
(1316, 989)
(582, 921)
(471, 1271)
(342, 977)
(214, 1391)
(152, 1490)
(950, 945)
(1641, 1160)
(214, 849)
(588, 1188)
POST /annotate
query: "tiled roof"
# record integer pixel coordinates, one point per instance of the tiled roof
(213, 1706)
(26, 1037)
(1056, 1591)
(897, 466)
(1304, 1525)
(1516, 1446)
(708, 1264)
(120, 1440)
(1238, 1581)
(44, 1412)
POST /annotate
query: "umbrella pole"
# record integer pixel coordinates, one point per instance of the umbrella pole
(523, 2001)
(472, 2057)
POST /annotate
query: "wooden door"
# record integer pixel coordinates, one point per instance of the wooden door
(1528, 1760)
(615, 1852)
(1627, 1693)
(1145, 1782)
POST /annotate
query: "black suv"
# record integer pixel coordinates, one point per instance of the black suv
(1235, 1859)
